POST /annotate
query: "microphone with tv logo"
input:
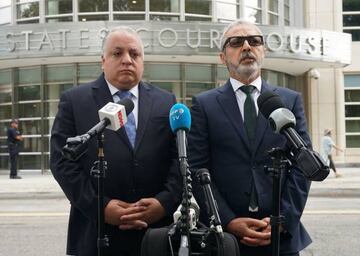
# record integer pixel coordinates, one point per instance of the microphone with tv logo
(112, 116)
(283, 121)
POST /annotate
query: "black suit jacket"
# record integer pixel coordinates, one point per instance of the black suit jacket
(218, 141)
(148, 170)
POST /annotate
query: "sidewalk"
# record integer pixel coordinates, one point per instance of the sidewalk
(37, 185)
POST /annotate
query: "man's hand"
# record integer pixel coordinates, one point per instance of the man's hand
(252, 232)
(115, 209)
(153, 211)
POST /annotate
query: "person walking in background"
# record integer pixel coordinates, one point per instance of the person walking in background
(230, 138)
(143, 182)
(14, 139)
(327, 144)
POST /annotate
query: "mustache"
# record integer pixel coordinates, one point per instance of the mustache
(245, 55)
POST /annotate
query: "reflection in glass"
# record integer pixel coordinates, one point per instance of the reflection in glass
(30, 127)
(51, 108)
(164, 17)
(273, 5)
(164, 6)
(93, 5)
(351, 20)
(4, 3)
(5, 93)
(28, 10)
(351, 5)
(253, 15)
(31, 145)
(195, 88)
(129, 5)
(173, 87)
(198, 7)
(28, 75)
(93, 17)
(353, 125)
(198, 73)
(4, 162)
(29, 110)
(194, 18)
(129, 17)
(28, 92)
(156, 71)
(3, 129)
(53, 91)
(352, 141)
(273, 19)
(352, 96)
(54, 7)
(227, 11)
(59, 73)
(59, 19)
(352, 110)
(5, 112)
(89, 72)
(32, 21)
(5, 15)
(29, 162)
(253, 3)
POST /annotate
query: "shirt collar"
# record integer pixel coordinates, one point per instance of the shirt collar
(113, 90)
(237, 84)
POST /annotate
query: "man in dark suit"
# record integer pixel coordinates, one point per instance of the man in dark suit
(230, 138)
(142, 183)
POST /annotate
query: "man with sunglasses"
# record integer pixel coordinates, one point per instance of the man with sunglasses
(230, 137)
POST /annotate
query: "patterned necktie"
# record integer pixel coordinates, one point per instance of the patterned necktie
(130, 126)
(250, 125)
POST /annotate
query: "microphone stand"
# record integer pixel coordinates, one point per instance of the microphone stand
(280, 164)
(98, 171)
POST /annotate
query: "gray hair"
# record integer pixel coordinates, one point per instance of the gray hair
(125, 30)
(234, 24)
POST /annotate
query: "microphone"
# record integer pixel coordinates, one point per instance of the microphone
(112, 116)
(204, 179)
(283, 121)
(194, 213)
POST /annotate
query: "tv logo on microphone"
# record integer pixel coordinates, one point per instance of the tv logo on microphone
(177, 113)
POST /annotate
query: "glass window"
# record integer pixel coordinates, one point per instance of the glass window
(27, 10)
(53, 91)
(198, 7)
(5, 93)
(89, 72)
(29, 162)
(352, 110)
(129, 5)
(54, 7)
(129, 17)
(5, 112)
(31, 145)
(222, 74)
(195, 88)
(5, 15)
(4, 3)
(227, 9)
(59, 73)
(28, 92)
(273, 19)
(30, 127)
(5, 77)
(198, 73)
(3, 130)
(4, 162)
(253, 3)
(164, 6)
(273, 5)
(93, 6)
(253, 15)
(162, 71)
(32, 21)
(354, 33)
(164, 17)
(93, 17)
(352, 125)
(196, 18)
(50, 109)
(29, 109)
(351, 81)
(351, 5)
(28, 75)
(351, 20)
(173, 87)
(59, 19)
(352, 96)
(352, 141)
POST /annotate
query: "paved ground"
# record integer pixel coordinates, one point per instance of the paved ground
(35, 184)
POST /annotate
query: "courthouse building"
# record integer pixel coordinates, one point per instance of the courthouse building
(47, 46)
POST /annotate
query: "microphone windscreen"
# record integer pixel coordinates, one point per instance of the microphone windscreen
(180, 118)
(203, 176)
(128, 104)
(268, 102)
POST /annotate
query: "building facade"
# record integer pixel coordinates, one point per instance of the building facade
(47, 46)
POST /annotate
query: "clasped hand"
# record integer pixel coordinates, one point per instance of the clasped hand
(252, 232)
(133, 215)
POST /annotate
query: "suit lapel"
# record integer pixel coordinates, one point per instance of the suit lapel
(102, 96)
(145, 106)
(262, 123)
(228, 102)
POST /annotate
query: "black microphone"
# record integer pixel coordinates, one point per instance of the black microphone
(283, 121)
(204, 179)
(112, 116)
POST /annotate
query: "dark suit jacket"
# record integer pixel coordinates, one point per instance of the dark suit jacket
(218, 141)
(150, 170)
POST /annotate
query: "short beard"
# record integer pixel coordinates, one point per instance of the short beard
(244, 70)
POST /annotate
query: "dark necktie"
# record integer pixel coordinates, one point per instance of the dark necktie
(130, 126)
(250, 125)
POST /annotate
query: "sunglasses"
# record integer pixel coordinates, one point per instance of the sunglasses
(238, 41)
